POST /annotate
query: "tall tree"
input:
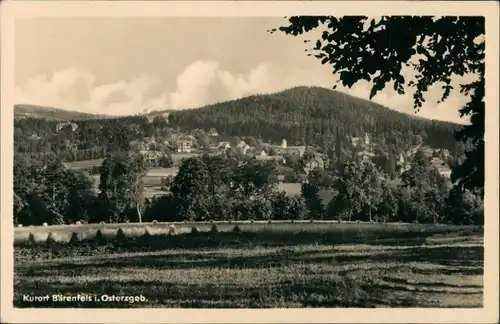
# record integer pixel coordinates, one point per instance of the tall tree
(436, 48)
(121, 185)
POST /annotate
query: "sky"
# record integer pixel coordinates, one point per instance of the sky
(126, 65)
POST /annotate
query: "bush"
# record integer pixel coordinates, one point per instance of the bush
(74, 239)
(251, 220)
(99, 237)
(195, 230)
(269, 221)
(236, 229)
(292, 221)
(214, 229)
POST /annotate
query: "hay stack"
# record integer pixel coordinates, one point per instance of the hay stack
(147, 232)
(31, 239)
(102, 222)
(155, 221)
(74, 239)
(120, 235)
(20, 225)
(45, 224)
(51, 239)
(99, 237)
(172, 230)
(78, 223)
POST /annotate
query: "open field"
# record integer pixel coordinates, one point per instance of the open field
(264, 265)
(152, 182)
(176, 158)
(84, 164)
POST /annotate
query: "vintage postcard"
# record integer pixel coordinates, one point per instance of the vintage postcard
(249, 162)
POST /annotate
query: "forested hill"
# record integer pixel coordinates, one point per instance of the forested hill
(314, 115)
(49, 113)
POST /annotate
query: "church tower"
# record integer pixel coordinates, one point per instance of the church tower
(367, 139)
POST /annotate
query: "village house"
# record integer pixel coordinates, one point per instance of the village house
(442, 167)
(243, 146)
(444, 171)
(140, 145)
(277, 158)
(316, 163)
(296, 150)
(283, 149)
(151, 156)
(35, 137)
(367, 139)
(212, 132)
(355, 141)
(184, 146)
(365, 156)
(60, 126)
(223, 146)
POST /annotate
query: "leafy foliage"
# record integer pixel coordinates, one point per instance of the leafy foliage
(435, 48)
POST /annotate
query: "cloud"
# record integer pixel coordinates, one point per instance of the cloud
(205, 82)
(193, 85)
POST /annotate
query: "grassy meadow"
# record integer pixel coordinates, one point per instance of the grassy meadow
(282, 264)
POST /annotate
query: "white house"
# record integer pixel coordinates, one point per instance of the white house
(223, 146)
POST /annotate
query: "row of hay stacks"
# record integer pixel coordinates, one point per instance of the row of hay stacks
(101, 236)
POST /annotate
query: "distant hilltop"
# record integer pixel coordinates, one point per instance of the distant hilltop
(50, 113)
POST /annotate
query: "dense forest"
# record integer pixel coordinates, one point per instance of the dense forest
(313, 116)
(43, 112)
(309, 116)
(92, 138)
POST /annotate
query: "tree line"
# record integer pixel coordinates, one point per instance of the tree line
(230, 188)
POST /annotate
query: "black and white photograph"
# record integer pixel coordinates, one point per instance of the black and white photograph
(245, 160)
